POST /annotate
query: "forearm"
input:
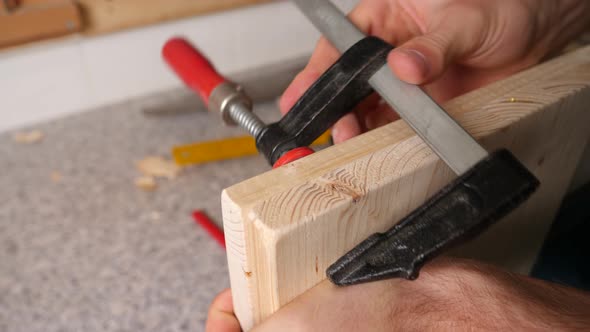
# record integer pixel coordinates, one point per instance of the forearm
(559, 22)
(449, 295)
(548, 306)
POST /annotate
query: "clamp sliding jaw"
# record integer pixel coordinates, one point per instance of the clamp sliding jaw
(487, 191)
(342, 87)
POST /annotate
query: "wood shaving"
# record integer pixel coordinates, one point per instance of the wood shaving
(146, 183)
(28, 137)
(158, 167)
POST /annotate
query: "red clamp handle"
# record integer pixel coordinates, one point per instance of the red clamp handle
(192, 67)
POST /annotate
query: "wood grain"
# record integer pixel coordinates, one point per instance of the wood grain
(285, 227)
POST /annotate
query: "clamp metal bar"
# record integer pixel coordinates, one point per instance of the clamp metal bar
(442, 133)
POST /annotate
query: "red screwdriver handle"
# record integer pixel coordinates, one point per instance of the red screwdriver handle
(192, 67)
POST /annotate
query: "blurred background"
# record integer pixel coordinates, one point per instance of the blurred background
(59, 57)
(86, 244)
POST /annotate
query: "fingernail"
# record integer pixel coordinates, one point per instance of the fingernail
(418, 59)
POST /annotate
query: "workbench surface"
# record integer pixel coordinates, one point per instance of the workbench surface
(91, 251)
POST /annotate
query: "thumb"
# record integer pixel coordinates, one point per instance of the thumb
(425, 58)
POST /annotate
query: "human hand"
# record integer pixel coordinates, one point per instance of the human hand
(449, 295)
(450, 46)
(221, 316)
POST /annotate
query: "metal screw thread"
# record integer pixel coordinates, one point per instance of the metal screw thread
(244, 118)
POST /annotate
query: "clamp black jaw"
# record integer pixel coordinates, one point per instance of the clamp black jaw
(457, 213)
(332, 96)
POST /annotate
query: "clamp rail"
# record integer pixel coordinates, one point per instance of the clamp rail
(427, 118)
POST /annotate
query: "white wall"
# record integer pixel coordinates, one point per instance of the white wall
(56, 78)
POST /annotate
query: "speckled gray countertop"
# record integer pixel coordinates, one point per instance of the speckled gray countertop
(92, 252)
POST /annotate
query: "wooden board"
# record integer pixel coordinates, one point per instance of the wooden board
(33, 21)
(283, 228)
(106, 16)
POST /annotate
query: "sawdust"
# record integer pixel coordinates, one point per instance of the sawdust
(152, 168)
(28, 137)
(158, 167)
(146, 183)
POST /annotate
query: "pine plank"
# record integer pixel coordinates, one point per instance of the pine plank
(284, 227)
